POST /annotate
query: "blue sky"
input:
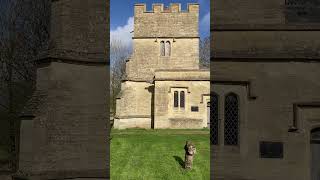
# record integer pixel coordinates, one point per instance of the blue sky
(121, 16)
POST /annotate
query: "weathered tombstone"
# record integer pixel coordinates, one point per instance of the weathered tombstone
(190, 151)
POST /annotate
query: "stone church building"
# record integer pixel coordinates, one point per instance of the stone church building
(265, 72)
(164, 86)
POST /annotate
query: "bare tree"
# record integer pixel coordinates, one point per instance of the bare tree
(24, 27)
(204, 53)
(119, 53)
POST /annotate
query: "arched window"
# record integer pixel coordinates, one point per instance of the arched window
(162, 48)
(182, 99)
(168, 48)
(214, 119)
(231, 122)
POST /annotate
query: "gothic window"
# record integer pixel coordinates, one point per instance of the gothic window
(168, 48)
(162, 48)
(175, 99)
(182, 99)
(231, 122)
(214, 118)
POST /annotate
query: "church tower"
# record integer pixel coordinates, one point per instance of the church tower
(63, 130)
(165, 39)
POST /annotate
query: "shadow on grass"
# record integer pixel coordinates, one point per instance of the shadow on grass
(179, 160)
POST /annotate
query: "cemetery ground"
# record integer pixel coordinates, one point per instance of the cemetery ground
(158, 154)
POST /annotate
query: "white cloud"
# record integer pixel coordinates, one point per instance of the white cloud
(122, 33)
(205, 21)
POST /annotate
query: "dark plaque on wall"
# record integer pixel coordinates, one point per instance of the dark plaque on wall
(194, 108)
(302, 11)
(271, 149)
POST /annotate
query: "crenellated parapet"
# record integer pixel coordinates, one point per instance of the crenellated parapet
(160, 8)
(163, 21)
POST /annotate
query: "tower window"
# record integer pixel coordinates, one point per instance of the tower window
(168, 48)
(162, 48)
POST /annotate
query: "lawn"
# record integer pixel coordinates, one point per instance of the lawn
(158, 154)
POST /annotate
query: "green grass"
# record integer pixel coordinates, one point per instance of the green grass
(140, 154)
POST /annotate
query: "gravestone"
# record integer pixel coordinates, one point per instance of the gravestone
(63, 129)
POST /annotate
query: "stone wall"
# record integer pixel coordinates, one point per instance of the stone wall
(132, 122)
(134, 99)
(271, 14)
(65, 134)
(162, 22)
(273, 66)
(69, 128)
(278, 87)
(77, 30)
(266, 44)
(196, 94)
(247, 12)
(178, 27)
(134, 105)
(184, 55)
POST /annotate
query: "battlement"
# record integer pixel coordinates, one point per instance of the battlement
(160, 8)
(166, 22)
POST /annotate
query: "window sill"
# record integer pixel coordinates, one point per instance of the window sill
(225, 148)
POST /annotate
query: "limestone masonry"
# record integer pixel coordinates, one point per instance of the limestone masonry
(265, 71)
(163, 86)
(63, 133)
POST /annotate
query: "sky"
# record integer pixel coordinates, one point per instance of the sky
(121, 17)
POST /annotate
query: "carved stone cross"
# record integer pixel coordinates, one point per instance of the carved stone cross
(190, 151)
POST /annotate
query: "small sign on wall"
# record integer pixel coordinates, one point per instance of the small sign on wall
(194, 108)
(271, 149)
